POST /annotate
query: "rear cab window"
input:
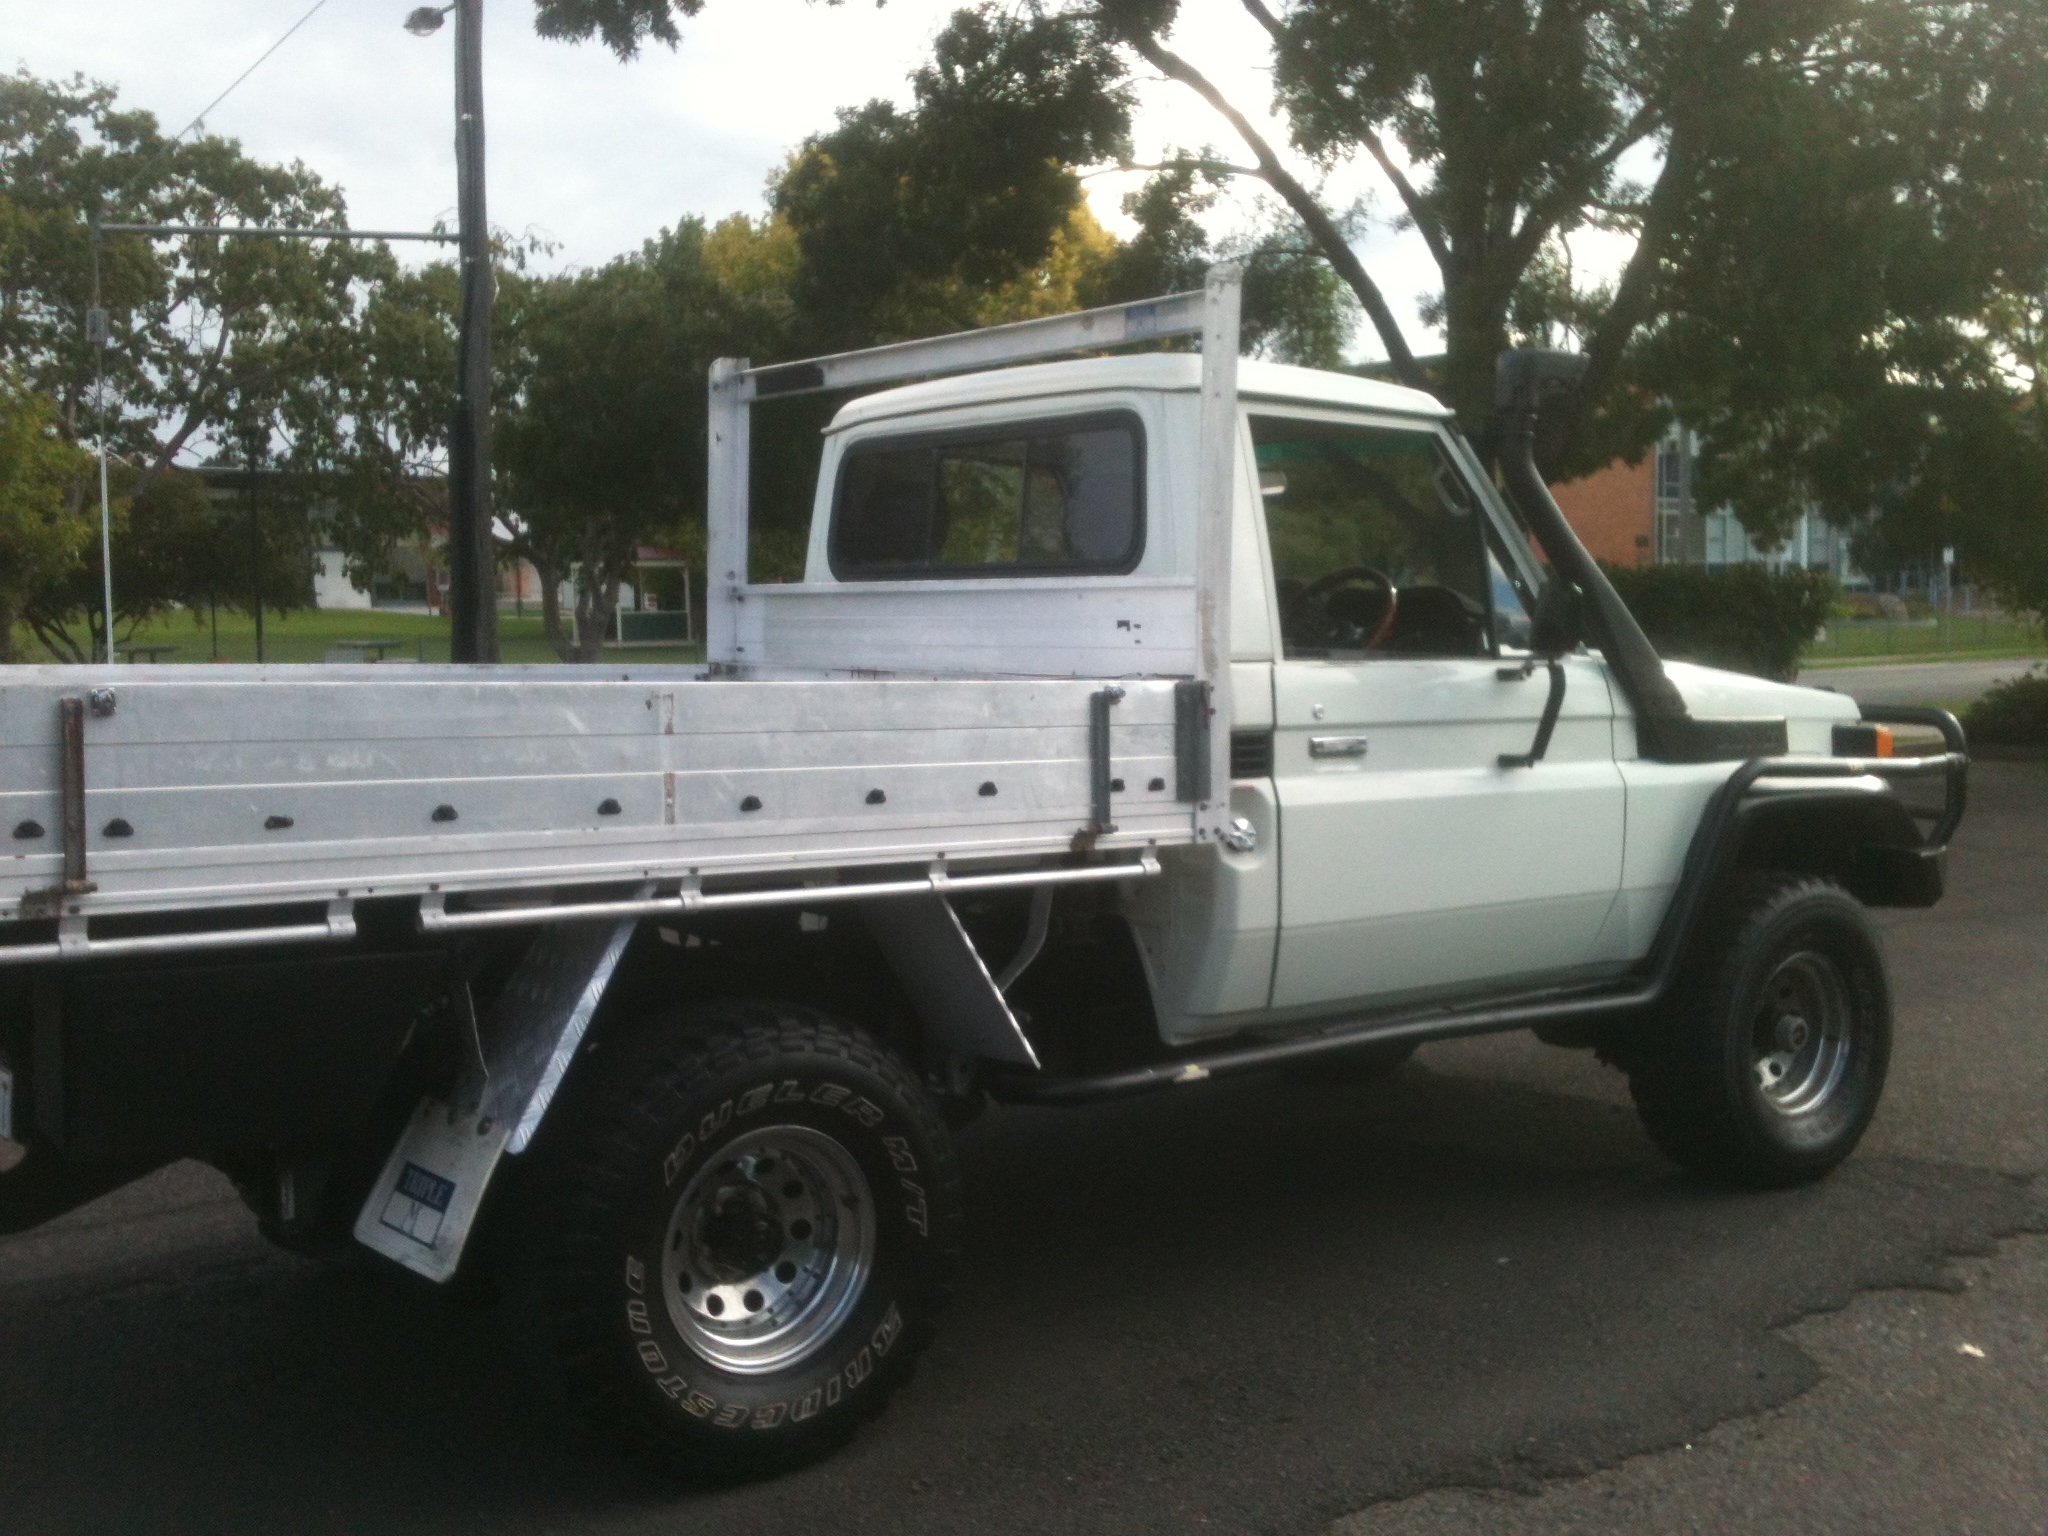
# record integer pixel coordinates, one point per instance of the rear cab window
(1060, 496)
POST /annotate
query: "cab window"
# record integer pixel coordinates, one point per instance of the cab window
(1048, 498)
(1378, 545)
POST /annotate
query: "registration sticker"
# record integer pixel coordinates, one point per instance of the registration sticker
(419, 1204)
(419, 1211)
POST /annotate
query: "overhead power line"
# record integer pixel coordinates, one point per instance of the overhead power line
(245, 74)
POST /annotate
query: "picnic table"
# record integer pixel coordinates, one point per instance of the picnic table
(146, 653)
(368, 648)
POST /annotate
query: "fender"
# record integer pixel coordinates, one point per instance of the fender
(1861, 833)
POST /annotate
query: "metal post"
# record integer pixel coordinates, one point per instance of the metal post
(472, 569)
(1215, 526)
(256, 583)
(725, 573)
(96, 337)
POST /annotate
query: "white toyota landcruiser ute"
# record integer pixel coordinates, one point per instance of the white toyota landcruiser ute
(1138, 720)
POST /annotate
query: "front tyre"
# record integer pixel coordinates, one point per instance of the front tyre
(758, 1224)
(1775, 1058)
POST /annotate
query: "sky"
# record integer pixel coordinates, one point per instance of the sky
(589, 153)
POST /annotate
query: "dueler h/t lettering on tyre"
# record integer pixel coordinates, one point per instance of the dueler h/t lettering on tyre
(758, 1222)
(1140, 719)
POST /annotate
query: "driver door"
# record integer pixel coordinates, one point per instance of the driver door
(1412, 863)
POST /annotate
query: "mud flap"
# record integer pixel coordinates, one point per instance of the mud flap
(964, 1012)
(424, 1203)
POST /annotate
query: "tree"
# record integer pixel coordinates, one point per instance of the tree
(965, 209)
(906, 220)
(42, 534)
(602, 448)
(203, 331)
(1839, 200)
(224, 347)
(174, 551)
(1295, 310)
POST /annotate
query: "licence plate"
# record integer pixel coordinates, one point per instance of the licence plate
(6, 1103)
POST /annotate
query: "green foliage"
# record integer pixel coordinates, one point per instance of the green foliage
(622, 25)
(172, 549)
(904, 219)
(1747, 618)
(1296, 309)
(43, 532)
(1872, 239)
(1841, 225)
(2013, 713)
(601, 448)
(207, 335)
(237, 350)
(1514, 116)
(1841, 234)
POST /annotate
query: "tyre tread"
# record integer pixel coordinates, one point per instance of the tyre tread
(629, 1101)
(1674, 1076)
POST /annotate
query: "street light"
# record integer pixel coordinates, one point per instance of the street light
(472, 571)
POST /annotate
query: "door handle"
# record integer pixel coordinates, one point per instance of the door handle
(1336, 746)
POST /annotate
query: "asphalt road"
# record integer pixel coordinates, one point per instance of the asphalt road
(1469, 1299)
(1917, 682)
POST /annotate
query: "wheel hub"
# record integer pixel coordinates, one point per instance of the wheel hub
(768, 1248)
(738, 1233)
(1801, 1039)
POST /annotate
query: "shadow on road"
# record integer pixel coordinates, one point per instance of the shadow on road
(1247, 1307)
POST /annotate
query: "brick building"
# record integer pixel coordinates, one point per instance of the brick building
(1647, 514)
(1613, 511)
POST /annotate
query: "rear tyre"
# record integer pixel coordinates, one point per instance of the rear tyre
(1770, 1069)
(756, 1226)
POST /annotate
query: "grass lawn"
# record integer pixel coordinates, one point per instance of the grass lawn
(310, 634)
(1951, 638)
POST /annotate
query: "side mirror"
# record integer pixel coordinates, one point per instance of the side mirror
(1556, 626)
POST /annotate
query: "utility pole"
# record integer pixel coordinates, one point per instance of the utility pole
(96, 337)
(472, 567)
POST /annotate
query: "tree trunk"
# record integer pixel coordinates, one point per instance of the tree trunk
(597, 590)
(551, 573)
(1475, 334)
(599, 600)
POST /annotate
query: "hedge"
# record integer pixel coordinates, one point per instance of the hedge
(1747, 618)
(2013, 713)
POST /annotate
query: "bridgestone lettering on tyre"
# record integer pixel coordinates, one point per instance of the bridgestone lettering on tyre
(761, 1221)
(1773, 1061)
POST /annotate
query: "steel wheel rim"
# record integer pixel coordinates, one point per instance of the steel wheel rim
(1803, 1034)
(768, 1249)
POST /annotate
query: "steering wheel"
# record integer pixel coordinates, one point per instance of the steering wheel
(1344, 576)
